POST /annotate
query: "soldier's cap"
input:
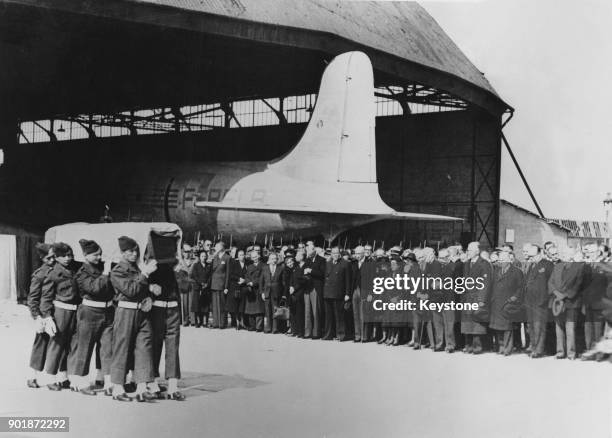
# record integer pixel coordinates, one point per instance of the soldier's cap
(127, 243)
(61, 249)
(289, 254)
(42, 249)
(328, 251)
(345, 253)
(89, 246)
(395, 257)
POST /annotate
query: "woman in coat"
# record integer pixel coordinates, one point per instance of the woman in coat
(508, 286)
(200, 275)
(236, 297)
(254, 307)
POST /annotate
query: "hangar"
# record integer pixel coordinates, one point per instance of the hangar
(85, 85)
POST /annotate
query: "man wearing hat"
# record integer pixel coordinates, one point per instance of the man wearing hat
(41, 339)
(536, 299)
(58, 306)
(94, 318)
(132, 330)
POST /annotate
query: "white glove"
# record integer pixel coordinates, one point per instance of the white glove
(146, 305)
(150, 267)
(50, 327)
(155, 289)
(39, 324)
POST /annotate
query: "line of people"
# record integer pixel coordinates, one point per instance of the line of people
(125, 316)
(329, 294)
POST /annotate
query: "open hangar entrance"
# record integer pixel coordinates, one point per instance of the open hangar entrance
(237, 84)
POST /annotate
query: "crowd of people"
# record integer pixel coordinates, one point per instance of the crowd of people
(552, 302)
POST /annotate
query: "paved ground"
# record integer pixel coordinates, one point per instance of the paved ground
(243, 384)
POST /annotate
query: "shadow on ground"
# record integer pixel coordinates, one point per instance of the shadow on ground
(196, 384)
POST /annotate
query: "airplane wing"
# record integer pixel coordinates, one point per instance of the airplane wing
(390, 214)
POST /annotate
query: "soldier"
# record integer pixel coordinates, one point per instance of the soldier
(58, 306)
(166, 324)
(255, 305)
(507, 287)
(132, 331)
(474, 322)
(94, 317)
(41, 338)
(271, 289)
(536, 300)
(219, 284)
(564, 286)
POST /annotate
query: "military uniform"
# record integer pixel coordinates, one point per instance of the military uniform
(132, 330)
(94, 320)
(60, 300)
(41, 340)
(166, 322)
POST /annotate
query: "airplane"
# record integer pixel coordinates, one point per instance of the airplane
(325, 185)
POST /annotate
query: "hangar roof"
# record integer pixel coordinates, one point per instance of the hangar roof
(79, 56)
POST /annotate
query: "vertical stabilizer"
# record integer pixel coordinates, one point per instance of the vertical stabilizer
(338, 144)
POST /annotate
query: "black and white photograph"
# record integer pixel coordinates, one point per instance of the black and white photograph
(306, 218)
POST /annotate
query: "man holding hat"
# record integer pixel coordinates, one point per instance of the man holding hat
(94, 317)
(58, 306)
(41, 339)
(536, 298)
(132, 331)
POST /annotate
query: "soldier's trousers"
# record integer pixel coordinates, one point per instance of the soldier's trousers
(132, 337)
(218, 309)
(357, 314)
(39, 352)
(593, 327)
(94, 325)
(334, 319)
(166, 324)
(63, 342)
(444, 328)
(185, 307)
(536, 326)
(312, 311)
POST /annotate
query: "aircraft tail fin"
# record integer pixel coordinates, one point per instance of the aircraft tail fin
(338, 144)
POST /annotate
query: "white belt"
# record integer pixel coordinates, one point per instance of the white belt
(129, 305)
(165, 304)
(100, 304)
(65, 306)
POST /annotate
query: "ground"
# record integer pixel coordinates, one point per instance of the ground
(242, 384)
